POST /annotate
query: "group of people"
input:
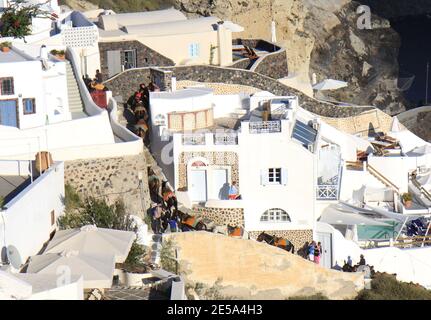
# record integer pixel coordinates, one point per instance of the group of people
(164, 211)
(96, 83)
(314, 252)
(139, 103)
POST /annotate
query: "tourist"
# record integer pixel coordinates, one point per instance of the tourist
(362, 260)
(153, 87)
(349, 261)
(311, 251)
(157, 215)
(98, 77)
(233, 191)
(317, 253)
(87, 81)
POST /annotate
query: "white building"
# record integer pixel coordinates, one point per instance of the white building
(30, 209)
(32, 95)
(162, 37)
(292, 170)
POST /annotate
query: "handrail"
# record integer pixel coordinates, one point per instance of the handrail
(376, 173)
(421, 188)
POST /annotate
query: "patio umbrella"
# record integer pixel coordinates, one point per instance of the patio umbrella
(93, 240)
(330, 84)
(97, 270)
(402, 262)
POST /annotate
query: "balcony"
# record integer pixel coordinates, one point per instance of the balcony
(260, 127)
(201, 139)
(327, 192)
(226, 139)
(193, 139)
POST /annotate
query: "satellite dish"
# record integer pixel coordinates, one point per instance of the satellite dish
(14, 257)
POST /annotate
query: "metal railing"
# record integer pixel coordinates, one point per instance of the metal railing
(192, 139)
(382, 178)
(265, 127)
(226, 139)
(327, 192)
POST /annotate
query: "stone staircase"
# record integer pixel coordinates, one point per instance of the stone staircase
(152, 163)
(76, 105)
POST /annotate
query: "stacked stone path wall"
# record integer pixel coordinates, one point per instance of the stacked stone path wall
(112, 179)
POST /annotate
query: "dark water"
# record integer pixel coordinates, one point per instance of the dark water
(415, 52)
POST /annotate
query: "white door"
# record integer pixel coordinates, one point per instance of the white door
(198, 185)
(326, 241)
(114, 62)
(220, 185)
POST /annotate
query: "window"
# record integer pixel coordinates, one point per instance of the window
(6, 86)
(194, 50)
(128, 59)
(274, 175)
(275, 215)
(29, 106)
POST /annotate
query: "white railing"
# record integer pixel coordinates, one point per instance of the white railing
(327, 192)
(193, 139)
(265, 127)
(225, 139)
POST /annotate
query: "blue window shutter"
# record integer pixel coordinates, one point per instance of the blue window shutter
(191, 50)
(198, 49)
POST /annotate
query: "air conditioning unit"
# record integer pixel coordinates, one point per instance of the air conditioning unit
(310, 148)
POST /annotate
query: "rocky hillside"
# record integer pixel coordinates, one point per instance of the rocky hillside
(321, 37)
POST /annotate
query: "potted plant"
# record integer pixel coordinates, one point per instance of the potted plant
(59, 54)
(5, 46)
(407, 200)
(135, 269)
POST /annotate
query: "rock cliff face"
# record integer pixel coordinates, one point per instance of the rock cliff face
(322, 37)
(247, 269)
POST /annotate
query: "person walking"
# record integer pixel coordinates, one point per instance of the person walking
(311, 251)
(317, 253)
(157, 215)
(233, 191)
(99, 76)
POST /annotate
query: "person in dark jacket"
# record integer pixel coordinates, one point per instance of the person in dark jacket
(99, 76)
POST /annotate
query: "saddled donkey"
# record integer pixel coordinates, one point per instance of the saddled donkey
(189, 223)
(277, 242)
(234, 232)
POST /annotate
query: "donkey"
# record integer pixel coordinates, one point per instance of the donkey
(277, 242)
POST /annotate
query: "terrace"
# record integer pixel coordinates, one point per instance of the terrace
(15, 176)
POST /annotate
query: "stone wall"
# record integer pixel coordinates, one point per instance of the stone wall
(297, 237)
(126, 83)
(213, 158)
(146, 57)
(112, 179)
(246, 269)
(273, 65)
(222, 216)
(241, 64)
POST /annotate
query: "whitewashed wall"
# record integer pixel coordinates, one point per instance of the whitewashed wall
(26, 221)
(297, 198)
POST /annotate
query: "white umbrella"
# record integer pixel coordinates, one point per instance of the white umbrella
(93, 240)
(330, 84)
(97, 270)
